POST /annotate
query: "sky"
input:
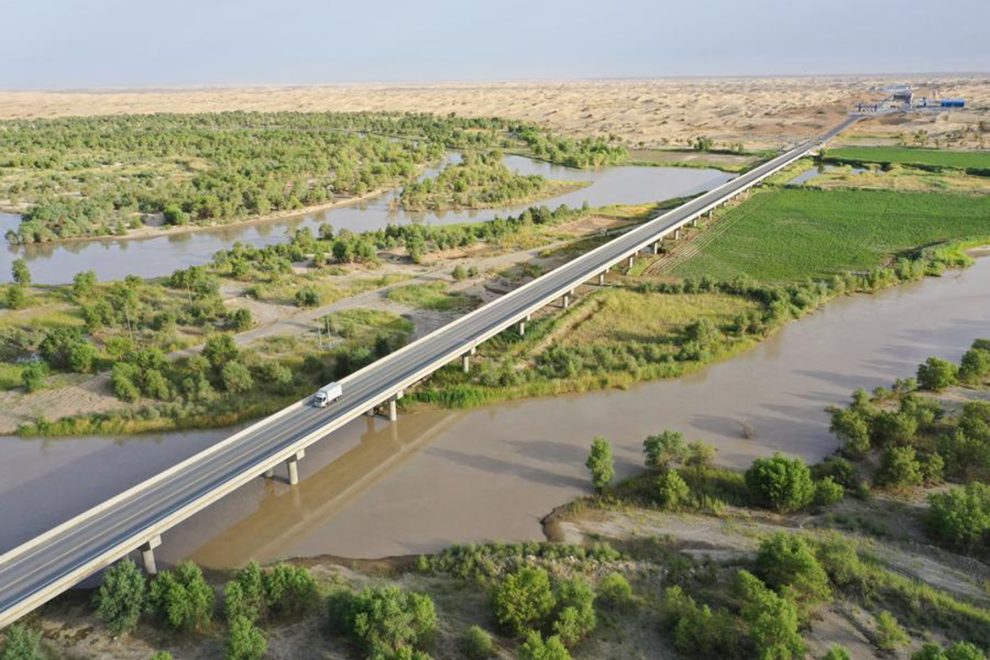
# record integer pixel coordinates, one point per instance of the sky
(84, 44)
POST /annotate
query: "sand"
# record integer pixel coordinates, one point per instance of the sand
(761, 112)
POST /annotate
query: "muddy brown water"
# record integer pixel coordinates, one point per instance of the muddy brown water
(438, 477)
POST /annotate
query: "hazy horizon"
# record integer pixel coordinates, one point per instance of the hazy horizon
(114, 44)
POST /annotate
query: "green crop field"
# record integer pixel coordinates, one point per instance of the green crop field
(964, 160)
(792, 234)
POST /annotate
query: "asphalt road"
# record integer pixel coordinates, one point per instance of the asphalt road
(40, 569)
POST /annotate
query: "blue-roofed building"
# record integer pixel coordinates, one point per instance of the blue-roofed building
(953, 103)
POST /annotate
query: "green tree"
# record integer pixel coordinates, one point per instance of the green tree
(240, 319)
(120, 598)
(16, 298)
(181, 598)
(936, 374)
(388, 620)
(174, 215)
(33, 375)
(245, 596)
(828, 491)
(960, 517)
(576, 618)
(236, 377)
(307, 296)
(780, 483)
(122, 376)
(958, 651)
(83, 284)
(219, 350)
(245, 641)
(899, 468)
(889, 634)
(477, 644)
(614, 589)
(786, 561)
(699, 454)
(974, 366)
(975, 420)
(535, 648)
(291, 591)
(20, 272)
(20, 643)
(772, 620)
(600, 463)
(672, 491)
(665, 449)
(852, 427)
(524, 600)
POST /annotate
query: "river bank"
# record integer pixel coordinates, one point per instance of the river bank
(494, 472)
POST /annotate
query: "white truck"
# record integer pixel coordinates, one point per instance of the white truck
(327, 395)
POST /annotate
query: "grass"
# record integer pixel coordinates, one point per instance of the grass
(626, 316)
(688, 158)
(10, 376)
(936, 158)
(364, 323)
(794, 234)
(433, 296)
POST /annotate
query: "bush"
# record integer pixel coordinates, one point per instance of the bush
(958, 651)
(120, 598)
(780, 483)
(245, 641)
(240, 319)
(122, 377)
(477, 644)
(786, 561)
(837, 652)
(600, 463)
(664, 450)
(960, 517)
(772, 619)
(307, 297)
(614, 589)
(828, 491)
(181, 598)
(383, 621)
(672, 490)
(20, 643)
(840, 470)
(535, 648)
(975, 365)
(16, 298)
(459, 273)
(291, 591)
(576, 618)
(699, 631)
(244, 596)
(975, 420)
(236, 377)
(33, 376)
(524, 600)
(852, 427)
(889, 634)
(936, 374)
(20, 273)
(899, 468)
(699, 454)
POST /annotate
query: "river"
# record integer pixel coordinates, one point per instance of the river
(114, 258)
(439, 477)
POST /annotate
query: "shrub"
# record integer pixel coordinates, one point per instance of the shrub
(477, 644)
(840, 470)
(181, 598)
(20, 272)
(894, 428)
(307, 297)
(699, 454)
(780, 483)
(245, 641)
(600, 463)
(960, 517)
(120, 598)
(975, 420)
(383, 621)
(889, 634)
(699, 631)
(291, 591)
(524, 600)
(936, 374)
(576, 618)
(33, 375)
(899, 468)
(852, 427)
(240, 319)
(828, 491)
(122, 377)
(459, 273)
(958, 651)
(16, 298)
(236, 377)
(614, 589)
(672, 490)
(20, 643)
(244, 596)
(772, 619)
(664, 449)
(219, 350)
(974, 366)
(836, 652)
(786, 561)
(535, 648)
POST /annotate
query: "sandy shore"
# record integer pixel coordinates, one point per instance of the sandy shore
(761, 112)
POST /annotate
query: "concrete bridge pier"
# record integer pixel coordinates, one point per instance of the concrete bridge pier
(677, 234)
(656, 248)
(293, 464)
(393, 413)
(522, 326)
(711, 213)
(566, 301)
(631, 261)
(269, 473)
(466, 360)
(148, 555)
(601, 279)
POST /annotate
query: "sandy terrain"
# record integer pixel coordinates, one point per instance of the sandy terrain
(761, 112)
